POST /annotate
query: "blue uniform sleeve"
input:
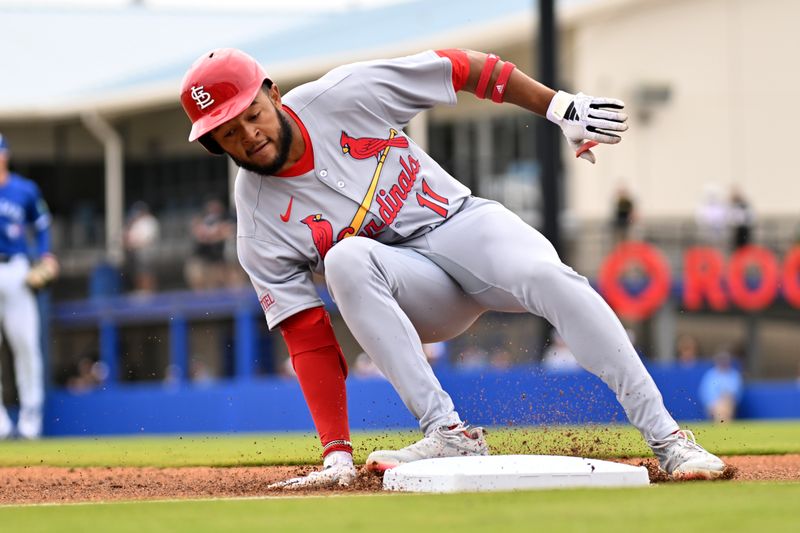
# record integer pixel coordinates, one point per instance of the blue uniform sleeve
(38, 214)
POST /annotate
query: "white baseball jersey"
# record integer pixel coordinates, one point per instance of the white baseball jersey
(434, 279)
(368, 179)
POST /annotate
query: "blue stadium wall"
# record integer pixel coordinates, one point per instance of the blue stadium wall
(248, 402)
(520, 396)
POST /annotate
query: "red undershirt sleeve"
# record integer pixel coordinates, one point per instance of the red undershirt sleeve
(460, 63)
(321, 370)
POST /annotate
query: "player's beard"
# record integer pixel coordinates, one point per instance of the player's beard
(284, 143)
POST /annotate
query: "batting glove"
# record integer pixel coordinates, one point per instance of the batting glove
(587, 121)
(340, 471)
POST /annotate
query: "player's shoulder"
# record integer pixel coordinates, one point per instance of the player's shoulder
(372, 64)
(24, 184)
(246, 188)
(303, 95)
(348, 76)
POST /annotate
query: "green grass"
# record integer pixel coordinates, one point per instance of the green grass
(716, 506)
(292, 448)
(709, 506)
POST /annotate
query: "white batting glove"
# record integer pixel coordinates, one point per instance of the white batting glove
(339, 471)
(587, 121)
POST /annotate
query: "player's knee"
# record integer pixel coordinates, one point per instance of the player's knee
(346, 261)
(548, 273)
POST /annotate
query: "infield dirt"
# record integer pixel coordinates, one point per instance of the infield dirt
(34, 484)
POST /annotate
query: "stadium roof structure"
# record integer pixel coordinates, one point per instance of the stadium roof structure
(61, 63)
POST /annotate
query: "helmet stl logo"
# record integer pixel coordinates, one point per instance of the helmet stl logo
(201, 97)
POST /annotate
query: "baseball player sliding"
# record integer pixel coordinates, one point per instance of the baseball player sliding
(21, 205)
(330, 184)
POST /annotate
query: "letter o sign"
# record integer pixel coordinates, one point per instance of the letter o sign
(644, 304)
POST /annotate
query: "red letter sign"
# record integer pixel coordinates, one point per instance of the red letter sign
(791, 279)
(702, 278)
(650, 259)
(757, 298)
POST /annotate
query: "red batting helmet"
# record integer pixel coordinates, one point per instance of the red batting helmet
(217, 87)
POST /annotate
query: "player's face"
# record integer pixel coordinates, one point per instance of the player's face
(259, 138)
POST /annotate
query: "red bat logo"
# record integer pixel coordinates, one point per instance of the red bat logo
(321, 233)
(366, 147)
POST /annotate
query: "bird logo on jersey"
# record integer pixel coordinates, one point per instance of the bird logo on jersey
(390, 199)
(358, 148)
(366, 147)
(321, 233)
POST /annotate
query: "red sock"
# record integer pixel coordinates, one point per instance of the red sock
(321, 370)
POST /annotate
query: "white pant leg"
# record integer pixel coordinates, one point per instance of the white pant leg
(6, 426)
(509, 266)
(20, 322)
(393, 299)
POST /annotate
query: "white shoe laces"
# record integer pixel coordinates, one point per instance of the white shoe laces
(686, 439)
(682, 437)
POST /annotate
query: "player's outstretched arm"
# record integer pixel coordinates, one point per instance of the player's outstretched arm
(321, 370)
(585, 120)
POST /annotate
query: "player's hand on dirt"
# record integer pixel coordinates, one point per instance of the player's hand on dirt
(586, 121)
(330, 476)
(43, 272)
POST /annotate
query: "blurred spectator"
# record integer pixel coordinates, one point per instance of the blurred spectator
(636, 346)
(558, 357)
(90, 375)
(207, 268)
(687, 350)
(741, 219)
(712, 216)
(624, 215)
(85, 229)
(199, 372)
(721, 388)
(435, 352)
(141, 239)
(501, 359)
(472, 357)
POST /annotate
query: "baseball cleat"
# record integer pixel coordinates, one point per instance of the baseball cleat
(29, 425)
(682, 458)
(6, 426)
(453, 441)
(330, 476)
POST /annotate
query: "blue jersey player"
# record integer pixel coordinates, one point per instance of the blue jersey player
(22, 208)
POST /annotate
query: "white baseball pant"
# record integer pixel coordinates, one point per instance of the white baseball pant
(19, 318)
(432, 288)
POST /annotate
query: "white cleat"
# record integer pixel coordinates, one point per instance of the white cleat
(6, 426)
(682, 458)
(29, 426)
(455, 441)
(338, 470)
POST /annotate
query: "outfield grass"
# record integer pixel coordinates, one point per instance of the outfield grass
(739, 438)
(710, 506)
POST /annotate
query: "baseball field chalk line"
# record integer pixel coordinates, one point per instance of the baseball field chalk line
(511, 472)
